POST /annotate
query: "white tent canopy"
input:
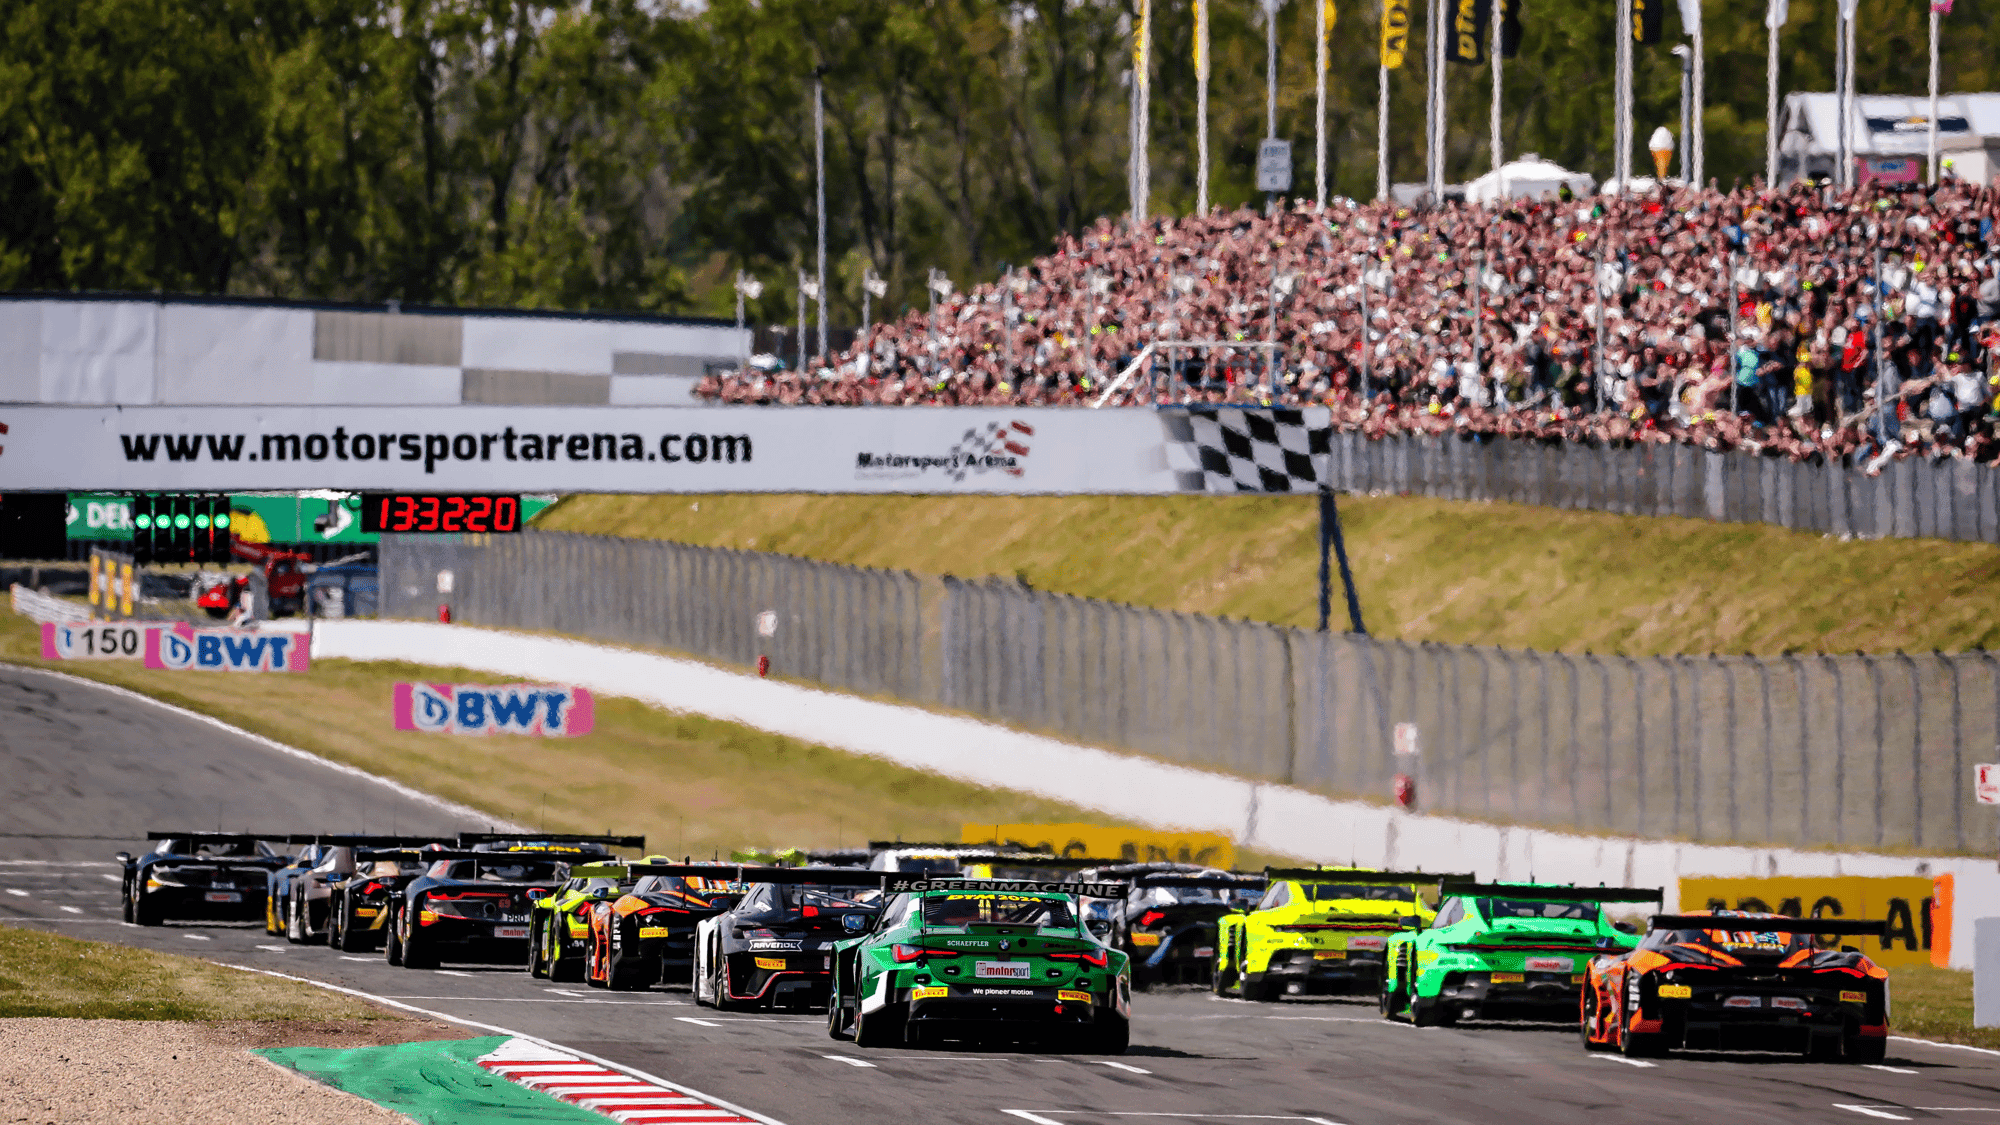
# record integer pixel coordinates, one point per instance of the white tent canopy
(1526, 178)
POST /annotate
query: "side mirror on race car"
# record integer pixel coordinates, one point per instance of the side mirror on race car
(1625, 927)
(1849, 949)
(123, 857)
(1099, 926)
(1410, 922)
(855, 923)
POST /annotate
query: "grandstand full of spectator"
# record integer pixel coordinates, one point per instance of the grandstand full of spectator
(1747, 319)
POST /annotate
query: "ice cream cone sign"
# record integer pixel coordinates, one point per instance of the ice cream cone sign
(1662, 146)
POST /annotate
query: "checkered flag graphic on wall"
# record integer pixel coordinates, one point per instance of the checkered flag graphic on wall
(995, 445)
(1248, 450)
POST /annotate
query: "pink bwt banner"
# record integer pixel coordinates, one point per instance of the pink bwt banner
(226, 650)
(539, 709)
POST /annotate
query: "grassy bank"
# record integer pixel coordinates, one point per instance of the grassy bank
(690, 784)
(1930, 1003)
(50, 975)
(1427, 570)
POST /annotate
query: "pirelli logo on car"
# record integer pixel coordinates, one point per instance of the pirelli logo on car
(1853, 997)
(916, 885)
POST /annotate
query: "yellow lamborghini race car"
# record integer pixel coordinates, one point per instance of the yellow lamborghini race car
(1317, 931)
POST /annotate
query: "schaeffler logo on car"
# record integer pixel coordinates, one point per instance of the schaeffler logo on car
(537, 709)
(995, 447)
(226, 650)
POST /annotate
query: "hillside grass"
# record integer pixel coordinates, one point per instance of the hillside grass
(1427, 570)
(691, 785)
(1933, 1003)
(51, 975)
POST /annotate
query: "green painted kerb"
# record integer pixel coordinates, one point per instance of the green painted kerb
(431, 1083)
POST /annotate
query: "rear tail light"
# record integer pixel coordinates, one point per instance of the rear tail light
(907, 952)
(809, 912)
(1150, 917)
(370, 887)
(1099, 958)
(650, 910)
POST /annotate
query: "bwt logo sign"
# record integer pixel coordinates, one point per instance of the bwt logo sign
(225, 650)
(508, 709)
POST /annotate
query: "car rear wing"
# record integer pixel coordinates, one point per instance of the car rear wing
(896, 883)
(753, 873)
(1217, 882)
(530, 839)
(1366, 878)
(345, 839)
(1751, 924)
(220, 837)
(432, 855)
(1033, 859)
(1539, 893)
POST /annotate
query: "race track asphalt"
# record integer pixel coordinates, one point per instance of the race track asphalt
(79, 761)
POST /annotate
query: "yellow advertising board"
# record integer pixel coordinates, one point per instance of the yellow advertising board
(1094, 841)
(1905, 903)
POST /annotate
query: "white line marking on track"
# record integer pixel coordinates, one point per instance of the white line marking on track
(57, 862)
(1935, 1043)
(450, 973)
(498, 1030)
(1026, 1116)
(280, 949)
(196, 937)
(546, 1000)
(350, 957)
(701, 1023)
(849, 1060)
(1871, 1111)
(1891, 1069)
(71, 909)
(1122, 1066)
(18, 894)
(1623, 1059)
(113, 878)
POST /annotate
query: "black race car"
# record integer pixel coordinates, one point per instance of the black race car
(302, 891)
(646, 936)
(471, 903)
(775, 945)
(1167, 923)
(210, 876)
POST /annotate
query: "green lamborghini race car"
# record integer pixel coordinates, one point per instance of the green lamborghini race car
(1505, 951)
(981, 960)
(1316, 931)
(559, 921)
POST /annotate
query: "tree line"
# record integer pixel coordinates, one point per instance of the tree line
(633, 154)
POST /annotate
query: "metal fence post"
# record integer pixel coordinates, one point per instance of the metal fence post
(1881, 740)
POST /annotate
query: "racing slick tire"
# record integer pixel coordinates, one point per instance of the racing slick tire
(1431, 1013)
(1588, 1009)
(624, 969)
(1263, 990)
(839, 1021)
(144, 913)
(1864, 1051)
(1392, 1002)
(1222, 980)
(1639, 1045)
(417, 954)
(563, 970)
(1112, 1036)
(884, 1027)
(125, 902)
(538, 962)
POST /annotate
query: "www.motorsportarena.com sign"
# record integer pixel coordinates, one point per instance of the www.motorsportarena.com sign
(182, 646)
(483, 709)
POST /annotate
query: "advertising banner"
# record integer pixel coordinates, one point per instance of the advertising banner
(182, 646)
(1094, 841)
(542, 449)
(537, 709)
(86, 640)
(1905, 903)
(93, 516)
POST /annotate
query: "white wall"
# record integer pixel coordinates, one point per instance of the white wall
(233, 353)
(1267, 817)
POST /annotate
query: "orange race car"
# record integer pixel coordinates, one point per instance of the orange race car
(1764, 983)
(646, 936)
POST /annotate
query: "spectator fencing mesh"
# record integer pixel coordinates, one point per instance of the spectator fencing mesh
(1819, 750)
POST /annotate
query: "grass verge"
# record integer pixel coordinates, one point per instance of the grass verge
(51, 975)
(692, 785)
(1932, 1003)
(1427, 570)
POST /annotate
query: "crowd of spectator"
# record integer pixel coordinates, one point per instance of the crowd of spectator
(1807, 322)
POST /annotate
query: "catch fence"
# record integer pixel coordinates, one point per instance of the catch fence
(1850, 750)
(1915, 498)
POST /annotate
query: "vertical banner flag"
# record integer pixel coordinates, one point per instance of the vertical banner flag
(1510, 28)
(1691, 16)
(1395, 32)
(1201, 38)
(1648, 18)
(1139, 37)
(1941, 7)
(1776, 15)
(1468, 31)
(1326, 34)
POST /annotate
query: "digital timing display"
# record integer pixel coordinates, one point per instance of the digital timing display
(404, 512)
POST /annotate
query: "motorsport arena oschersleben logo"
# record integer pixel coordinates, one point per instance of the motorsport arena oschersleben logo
(996, 447)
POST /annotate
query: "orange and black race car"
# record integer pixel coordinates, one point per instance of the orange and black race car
(646, 935)
(1730, 980)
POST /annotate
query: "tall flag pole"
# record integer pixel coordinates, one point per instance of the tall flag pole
(1775, 15)
(1395, 41)
(1494, 49)
(1434, 99)
(1621, 130)
(1142, 110)
(1696, 147)
(1938, 8)
(1201, 106)
(1846, 48)
(1326, 17)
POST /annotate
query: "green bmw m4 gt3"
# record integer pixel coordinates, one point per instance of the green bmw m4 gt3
(981, 960)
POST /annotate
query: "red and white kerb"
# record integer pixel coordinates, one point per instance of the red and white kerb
(593, 1086)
